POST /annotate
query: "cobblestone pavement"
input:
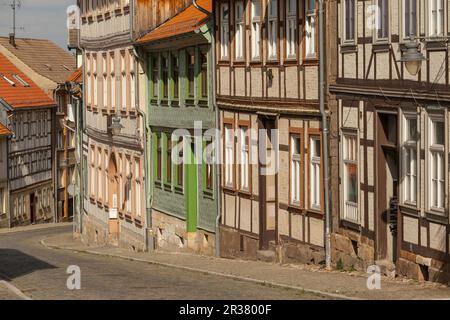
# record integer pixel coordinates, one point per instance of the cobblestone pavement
(40, 273)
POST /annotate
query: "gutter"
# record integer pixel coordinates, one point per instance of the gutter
(217, 119)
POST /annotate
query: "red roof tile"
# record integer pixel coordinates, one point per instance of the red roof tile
(77, 76)
(4, 131)
(17, 95)
(184, 22)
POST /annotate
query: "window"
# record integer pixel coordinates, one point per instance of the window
(410, 160)
(349, 20)
(2, 201)
(158, 158)
(89, 81)
(244, 157)
(105, 81)
(155, 71)
(383, 20)
(105, 176)
(95, 84)
(175, 76)
(291, 29)
(239, 30)
(310, 29)
(138, 189)
(272, 30)
(165, 77)
(132, 78)
(209, 165)
(112, 80)
(314, 174)
(436, 140)
(436, 18)
(224, 30)
(92, 173)
(191, 74)
(256, 29)
(204, 75)
(409, 18)
(169, 160)
(295, 169)
(229, 155)
(99, 174)
(123, 82)
(180, 171)
(128, 185)
(350, 181)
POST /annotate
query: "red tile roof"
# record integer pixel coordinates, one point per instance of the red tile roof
(77, 76)
(17, 95)
(184, 22)
(4, 131)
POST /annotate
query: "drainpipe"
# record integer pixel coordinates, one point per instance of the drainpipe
(149, 243)
(325, 135)
(217, 120)
(55, 153)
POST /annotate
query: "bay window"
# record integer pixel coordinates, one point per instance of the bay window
(291, 29)
(295, 169)
(272, 30)
(239, 30)
(410, 159)
(256, 29)
(224, 30)
(310, 29)
(436, 143)
(350, 178)
(315, 173)
(436, 18)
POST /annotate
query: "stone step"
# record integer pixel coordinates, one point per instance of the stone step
(386, 267)
(266, 255)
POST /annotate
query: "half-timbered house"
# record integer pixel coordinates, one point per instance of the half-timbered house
(27, 112)
(268, 79)
(391, 126)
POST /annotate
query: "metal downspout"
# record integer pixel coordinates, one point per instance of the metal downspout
(325, 134)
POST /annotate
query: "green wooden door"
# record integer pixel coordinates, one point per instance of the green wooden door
(191, 189)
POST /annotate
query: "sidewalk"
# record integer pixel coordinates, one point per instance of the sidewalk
(334, 284)
(33, 227)
(9, 292)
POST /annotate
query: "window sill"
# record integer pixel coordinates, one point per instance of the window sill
(158, 184)
(203, 103)
(350, 225)
(179, 190)
(311, 62)
(167, 187)
(208, 194)
(439, 217)
(381, 46)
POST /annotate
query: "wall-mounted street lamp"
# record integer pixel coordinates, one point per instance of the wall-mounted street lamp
(116, 126)
(412, 57)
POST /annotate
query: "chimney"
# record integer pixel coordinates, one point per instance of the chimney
(12, 39)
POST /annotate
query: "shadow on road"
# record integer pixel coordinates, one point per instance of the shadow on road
(15, 263)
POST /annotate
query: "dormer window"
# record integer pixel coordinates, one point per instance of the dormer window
(11, 83)
(20, 80)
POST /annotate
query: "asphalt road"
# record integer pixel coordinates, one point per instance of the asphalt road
(40, 273)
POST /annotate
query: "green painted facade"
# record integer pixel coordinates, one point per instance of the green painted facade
(179, 92)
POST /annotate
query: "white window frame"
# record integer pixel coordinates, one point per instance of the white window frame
(436, 27)
(409, 19)
(409, 161)
(296, 167)
(239, 26)
(224, 30)
(315, 173)
(244, 157)
(112, 79)
(256, 30)
(291, 29)
(99, 174)
(350, 210)
(138, 189)
(349, 21)
(105, 79)
(310, 30)
(382, 16)
(229, 155)
(272, 30)
(436, 185)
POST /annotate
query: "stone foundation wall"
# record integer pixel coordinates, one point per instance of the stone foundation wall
(95, 231)
(296, 252)
(233, 244)
(351, 250)
(131, 237)
(421, 268)
(171, 235)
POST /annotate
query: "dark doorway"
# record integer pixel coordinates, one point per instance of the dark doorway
(267, 182)
(32, 208)
(387, 186)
